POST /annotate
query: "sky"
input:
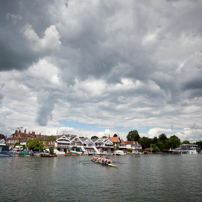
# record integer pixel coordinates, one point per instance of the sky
(99, 67)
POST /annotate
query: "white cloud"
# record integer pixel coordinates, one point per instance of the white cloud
(134, 64)
(155, 132)
(50, 41)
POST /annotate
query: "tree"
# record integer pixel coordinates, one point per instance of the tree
(155, 147)
(155, 140)
(172, 142)
(186, 142)
(133, 136)
(199, 143)
(163, 138)
(145, 142)
(2, 136)
(161, 146)
(35, 145)
(115, 135)
(94, 137)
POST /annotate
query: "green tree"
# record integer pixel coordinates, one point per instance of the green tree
(172, 142)
(133, 136)
(2, 136)
(35, 145)
(155, 140)
(115, 135)
(199, 143)
(161, 145)
(94, 137)
(163, 138)
(155, 147)
(145, 142)
(186, 142)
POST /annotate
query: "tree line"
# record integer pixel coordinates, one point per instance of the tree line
(158, 143)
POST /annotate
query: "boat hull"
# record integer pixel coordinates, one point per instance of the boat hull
(48, 155)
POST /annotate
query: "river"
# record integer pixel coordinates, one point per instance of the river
(160, 177)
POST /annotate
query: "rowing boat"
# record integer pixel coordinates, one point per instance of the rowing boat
(102, 161)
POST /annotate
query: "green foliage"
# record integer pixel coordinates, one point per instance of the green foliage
(155, 140)
(199, 143)
(160, 143)
(172, 142)
(155, 147)
(161, 146)
(104, 137)
(186, 142)
(145, 142)
(35, 145)
(163, 138)
(94, 137)
(133, 136)
(115, 135)
(2, 136)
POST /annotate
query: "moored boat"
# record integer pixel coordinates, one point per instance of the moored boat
(48, 155)
(6, 154)
(74, 153)
(102, 161)
(23, 154)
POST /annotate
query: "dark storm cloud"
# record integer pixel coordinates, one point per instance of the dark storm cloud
(15, 52)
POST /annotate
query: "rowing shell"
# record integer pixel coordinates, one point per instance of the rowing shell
(112, 165)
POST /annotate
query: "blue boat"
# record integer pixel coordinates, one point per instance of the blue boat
(7, 154)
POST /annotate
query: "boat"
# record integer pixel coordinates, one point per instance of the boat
(6, 154)
(102, 161)
(47, 155)
(119, 152)
(74, 153)
(23, 154)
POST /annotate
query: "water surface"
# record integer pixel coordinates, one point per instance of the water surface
(137, 178)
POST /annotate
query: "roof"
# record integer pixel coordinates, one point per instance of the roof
(114, 139)
(122, 142)
(128, 142)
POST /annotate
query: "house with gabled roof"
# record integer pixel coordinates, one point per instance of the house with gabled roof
(133, 145)
(89, 147)
(115, 140)
(63, 143)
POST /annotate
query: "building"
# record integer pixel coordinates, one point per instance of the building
(134, 146)
(21, 136)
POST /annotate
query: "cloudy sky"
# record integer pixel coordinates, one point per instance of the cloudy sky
(99, 67)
